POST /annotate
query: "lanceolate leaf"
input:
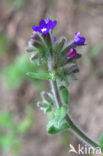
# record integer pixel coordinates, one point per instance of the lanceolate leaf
(39, 75)
(65, 94)
(58, 124)
(60, 114)
(53, 130)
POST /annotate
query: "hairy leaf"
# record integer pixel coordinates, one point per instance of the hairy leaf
(58, 124)
(39, 75)
(60, 114)
(65, 94)
(54, 130)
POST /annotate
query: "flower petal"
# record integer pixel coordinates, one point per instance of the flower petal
(45, 26)
(36, 28)
(47, 20)
(72, 53)
(54, 24)
(78, 40)
(42, 23)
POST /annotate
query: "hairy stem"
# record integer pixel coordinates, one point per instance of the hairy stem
(80, 133)
(56, 95)
(73, 126)
(54, 88)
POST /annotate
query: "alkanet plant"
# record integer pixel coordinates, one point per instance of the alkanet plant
(61, 58)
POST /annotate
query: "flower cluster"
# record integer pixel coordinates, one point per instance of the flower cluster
(44, 45)
(45, 26)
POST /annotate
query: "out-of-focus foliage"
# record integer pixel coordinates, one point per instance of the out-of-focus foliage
(15, 73)
(92, 57)
(94, 51)
(51, 1)
(15, 3)
(4, 42)
(65, 139)
(12, 131)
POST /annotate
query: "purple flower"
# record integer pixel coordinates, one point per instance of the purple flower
(78, 40)
(45, 26)
(72, 53)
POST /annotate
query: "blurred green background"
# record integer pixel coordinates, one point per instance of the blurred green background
(22, 124)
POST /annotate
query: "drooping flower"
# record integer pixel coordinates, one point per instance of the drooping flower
(45, 26)
(72, 53)
(78, 40)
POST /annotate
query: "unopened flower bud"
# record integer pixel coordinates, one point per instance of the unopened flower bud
(33, 57)
(47, 97)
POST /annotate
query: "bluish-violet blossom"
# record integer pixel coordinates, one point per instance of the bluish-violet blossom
(45, 26)
(72, 53)
(78, 40)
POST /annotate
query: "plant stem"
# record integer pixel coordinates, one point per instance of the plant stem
(80, 133)
(73, 126)
(56, 95)
(54, 88)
